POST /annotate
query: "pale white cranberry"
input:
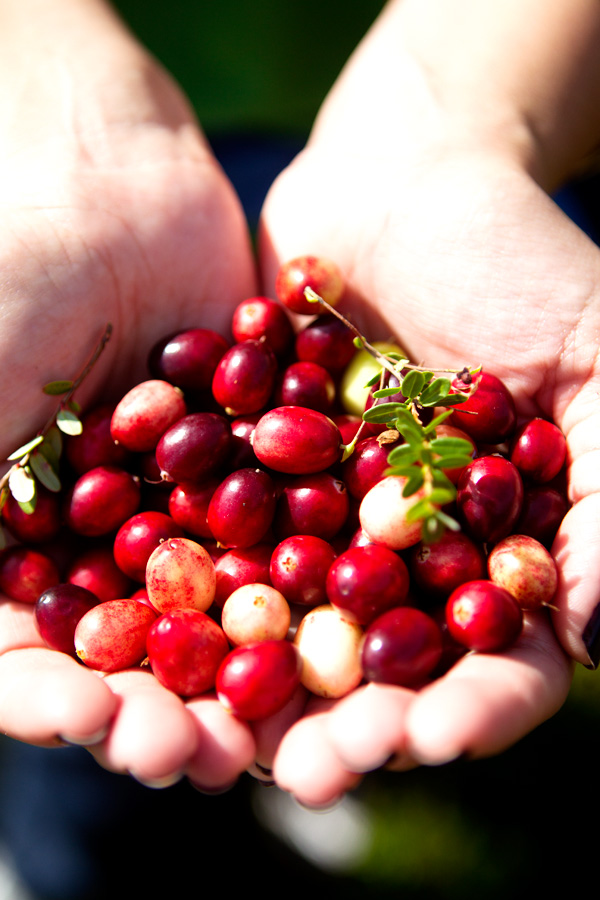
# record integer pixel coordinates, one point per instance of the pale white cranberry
(255, 612)
(180, 574)
(329, 647)
(383, 513)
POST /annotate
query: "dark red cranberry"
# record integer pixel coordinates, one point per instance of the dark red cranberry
(348, 425)
(96, 570)
(242, 453)
(483, 616)
(262, 317)
(365, 467)
(242, 508)
(25, 573)
(101, 500)
(296, 440)
(539, 450)
(366, 581)
(312, 504)
(322, 275)
(57, 613)
(95, 445)
(326, 341)
(299, 567)
(194, 448)
(403, 647)
(543, 510)
(188, 359)
(245, 377)
(138, 537)
(489, 415)
(306, 384)
(489, 498)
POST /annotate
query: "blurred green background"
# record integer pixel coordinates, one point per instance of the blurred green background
(256, 74)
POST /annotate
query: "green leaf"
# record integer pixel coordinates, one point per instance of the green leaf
(384, 412)
(451, 446)
(429, 429)
(432, 530)
(441, 480)
(22, 484)
(412, 384)
(447, 520)
(358, 343)
(44, 472)
(54, 441)
(414, 482)
(406, 471)
(74, 406)
(441, 496)
(409, 428)
(68, 422)
(26, 448)
(404, 455)
(49, 452)
(453, 462)
(374, 380)
(434, 392)
(420, 510)
(385, 392)
(56, 388)
(453, 400)
(2, 539)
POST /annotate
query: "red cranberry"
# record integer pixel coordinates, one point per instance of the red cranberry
(262, 317)
(306, 384)
(366, 466)
(539, 450)
(95, 569)
(489, 415)
(245, 377)
(326, 341)
(437, 568)
(403, 647)
(544, 508)
(188, 359)
(320, 274)
(240, 566)
(43, 524)
(366, 581)
(299, 567)
(57, 612)
(95, 445)
(188, 506)
(489, 498)
(483, 616)
(101, 500)
(296, 440)
(312, 504)
(26, 573)
(257, 680)
(242, 453)
(144, 414)
(185, 648)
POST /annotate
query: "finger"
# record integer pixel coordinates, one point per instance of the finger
(367, 728)
(153, 735)
(47, 697)
(486, 702)
(268, 733)
(225, 746)
(308, 766)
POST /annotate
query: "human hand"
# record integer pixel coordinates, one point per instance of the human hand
(448, 242)
(114, 210)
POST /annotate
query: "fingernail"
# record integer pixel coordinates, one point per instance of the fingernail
(158, 783)
(591, 638)
(212, 791)
(87, 741)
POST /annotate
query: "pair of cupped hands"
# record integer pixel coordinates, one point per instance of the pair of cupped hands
(115, 210)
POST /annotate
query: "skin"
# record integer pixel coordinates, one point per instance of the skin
(426, 178)
(429, 168)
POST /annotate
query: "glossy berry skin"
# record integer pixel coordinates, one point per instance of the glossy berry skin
(543, 510)
(143, 415)
(483, 616)
(180, 574)
(25, 573)
(185, 648)
(188, 505)
(326, 341)
(194, 448)
(383, 512)
(245, 377)
(257, 680)
(260, 317)
(58, 611)
(312, 504)
(489, 415)
(96, 570)
(241, 509)
(365, 467)
(437, 568)
(188, 359)
(367, 581)
(101, 500)
(255, 612)
(299, 567)
(112, 635)
(306, 384)
(526, 569)
(240, 566)
(296, 440)
(320, 274)
(402, 647)
(539, 450)
(137, 538)
(489, 498)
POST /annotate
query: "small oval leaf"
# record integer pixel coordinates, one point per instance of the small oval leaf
(56, 388)
(68, 422)
(44, 472)
(26, 448)
(22, 484)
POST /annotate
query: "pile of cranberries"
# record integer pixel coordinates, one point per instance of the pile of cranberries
(216, 536)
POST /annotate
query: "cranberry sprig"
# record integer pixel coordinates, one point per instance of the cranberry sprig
(423, 457)
(38, 460)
